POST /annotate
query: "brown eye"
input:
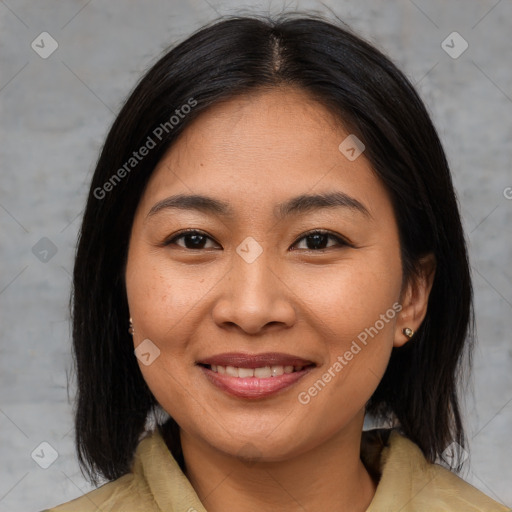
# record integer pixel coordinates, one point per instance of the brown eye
(193, 240)
(317, 240)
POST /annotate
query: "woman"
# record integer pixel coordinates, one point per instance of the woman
(271, 250)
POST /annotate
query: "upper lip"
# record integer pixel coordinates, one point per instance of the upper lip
(255, 360)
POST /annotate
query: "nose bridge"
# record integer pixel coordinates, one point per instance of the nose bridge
(253, 294)
(252, 272)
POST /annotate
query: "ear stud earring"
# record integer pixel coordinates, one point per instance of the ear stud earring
(131, 330)
(408, 332)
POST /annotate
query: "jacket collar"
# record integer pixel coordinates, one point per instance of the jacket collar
(407, 482)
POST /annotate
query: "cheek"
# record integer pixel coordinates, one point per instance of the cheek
(354, 309)
(161, 293)
(159, 300)
(349, 296)
(358, 346)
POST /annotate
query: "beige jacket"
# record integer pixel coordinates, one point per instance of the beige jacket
(408, 483)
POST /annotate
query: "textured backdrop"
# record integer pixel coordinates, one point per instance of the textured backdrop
(66, 68)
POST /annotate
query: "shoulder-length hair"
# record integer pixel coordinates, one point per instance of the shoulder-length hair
(234, 56)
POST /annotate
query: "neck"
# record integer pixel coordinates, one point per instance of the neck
(329, 477)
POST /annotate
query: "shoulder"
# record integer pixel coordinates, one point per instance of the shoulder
(129, 492)
(121, 492)
(409, 483)
(154, 483)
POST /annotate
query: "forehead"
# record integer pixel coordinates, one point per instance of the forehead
(262, 148)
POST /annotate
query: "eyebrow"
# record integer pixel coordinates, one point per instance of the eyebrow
(295, 206)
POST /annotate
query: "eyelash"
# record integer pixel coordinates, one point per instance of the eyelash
(341, 241)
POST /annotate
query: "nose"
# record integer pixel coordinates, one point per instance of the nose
(254, 298)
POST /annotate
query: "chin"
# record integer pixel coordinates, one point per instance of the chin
(260, 446)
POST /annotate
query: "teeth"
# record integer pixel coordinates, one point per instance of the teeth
(246, 372)
(261, 373)
(231, 371)
(277, 370)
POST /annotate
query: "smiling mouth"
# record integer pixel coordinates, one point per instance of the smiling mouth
(254, 376)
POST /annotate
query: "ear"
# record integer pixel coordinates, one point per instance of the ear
(414, 299)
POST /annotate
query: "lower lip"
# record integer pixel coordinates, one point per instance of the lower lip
(253, 387)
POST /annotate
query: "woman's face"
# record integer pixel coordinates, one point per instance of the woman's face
(253, 288)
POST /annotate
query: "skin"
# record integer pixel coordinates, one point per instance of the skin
(253, 152)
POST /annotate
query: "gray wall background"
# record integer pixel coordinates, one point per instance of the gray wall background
(55, 113)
